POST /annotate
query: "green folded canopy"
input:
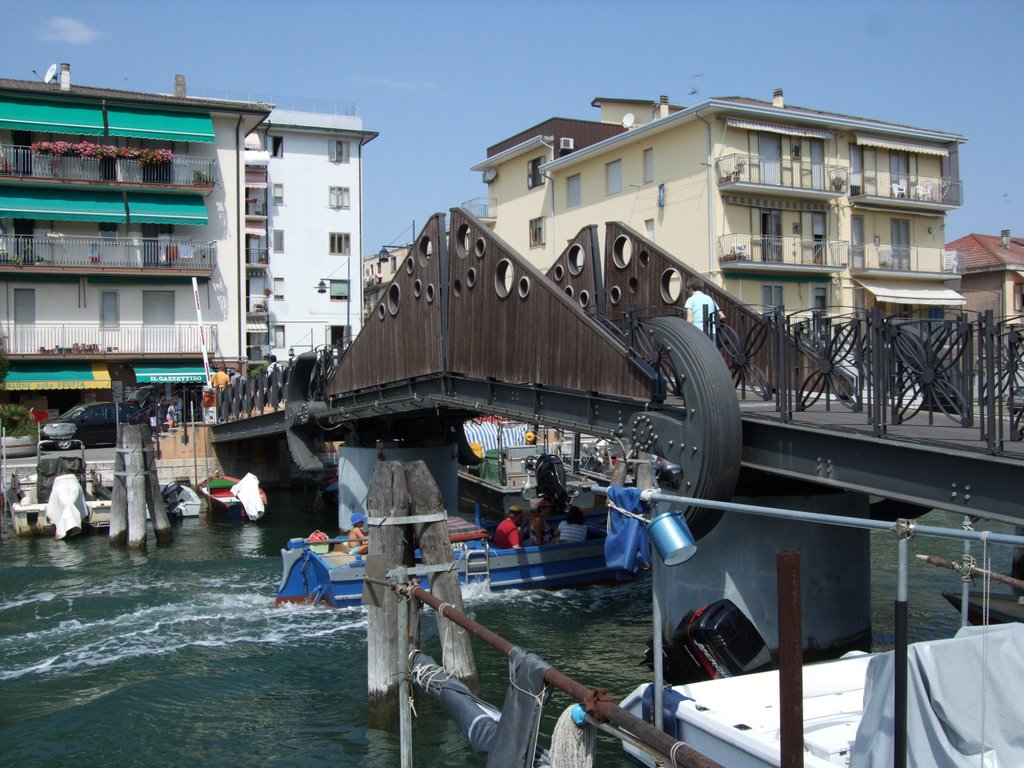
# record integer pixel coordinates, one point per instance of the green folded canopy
(154, 208)
(28, 115)
(159, 125)
(171, 373)
(63, 204)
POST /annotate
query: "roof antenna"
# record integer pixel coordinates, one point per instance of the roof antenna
(51, 74)
(695, 90)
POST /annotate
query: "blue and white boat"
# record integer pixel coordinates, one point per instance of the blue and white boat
(320, 573)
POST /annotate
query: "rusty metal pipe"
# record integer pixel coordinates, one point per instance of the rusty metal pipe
(594, 700)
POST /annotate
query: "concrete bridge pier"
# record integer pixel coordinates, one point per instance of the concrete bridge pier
(356, 466)
(737, 560)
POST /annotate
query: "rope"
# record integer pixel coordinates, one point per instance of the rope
(572, 746)
(625, 512)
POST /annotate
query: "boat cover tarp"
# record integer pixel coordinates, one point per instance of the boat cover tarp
(485, 432)
(478, 719)
(627, 546)
(247, 490)
(515, 743)
(66, 506)
(963, 702)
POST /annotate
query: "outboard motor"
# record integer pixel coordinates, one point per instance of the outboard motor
(172, 494)
(551, 481)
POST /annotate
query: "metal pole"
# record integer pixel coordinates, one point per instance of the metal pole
(965, 586)
(900, 654)
(404, 719)
(659, 680)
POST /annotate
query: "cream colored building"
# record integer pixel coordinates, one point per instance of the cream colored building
(777, 204)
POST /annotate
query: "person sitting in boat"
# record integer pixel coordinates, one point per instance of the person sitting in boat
(536, 530)
(506, 535)
(573, 529)
(358, 540)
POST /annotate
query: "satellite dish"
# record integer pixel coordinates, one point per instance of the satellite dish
(51, 74)
(627, 120)
(490, 175)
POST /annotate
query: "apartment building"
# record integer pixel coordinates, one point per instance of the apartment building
(303, 231)
(778, 204)
(111, 204)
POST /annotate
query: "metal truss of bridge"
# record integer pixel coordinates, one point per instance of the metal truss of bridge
(915, 411)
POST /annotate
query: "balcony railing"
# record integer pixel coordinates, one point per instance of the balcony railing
(256, 257)
(75, 339)
(256, 207)
(929, 190)
(180, 172)
(481, 207)
(106, 253)
(258, 305)
(797, 251)
(906, 258)
(785, 173)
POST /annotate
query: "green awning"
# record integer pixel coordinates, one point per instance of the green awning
(159, 125)
(170, 373)
(63, 375)
(154, 208)
(28, 115)
(63, 204)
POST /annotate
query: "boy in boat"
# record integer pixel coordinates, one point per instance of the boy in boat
(358, 540)
(536, 530)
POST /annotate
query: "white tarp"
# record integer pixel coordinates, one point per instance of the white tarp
(66, 506)
(247, 491)
(963, 702)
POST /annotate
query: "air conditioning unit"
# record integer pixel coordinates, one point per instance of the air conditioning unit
(566, 143)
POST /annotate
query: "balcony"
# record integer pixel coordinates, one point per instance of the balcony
(99, 341)
(256, 260)
(888, 258)
(481, 207)
(20, 164)
(103, 254)
(905, 191)
(258, 307)
(788, 177)
(743, 251)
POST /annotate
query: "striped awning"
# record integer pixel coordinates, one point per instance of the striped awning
(62, 204)
(170, 373)
(29, 115)
(254, 327)
(763, 202)
(901, 146)
(154, 208)
(908, 292)
(788, 130)
(161, 125)
(63, 375)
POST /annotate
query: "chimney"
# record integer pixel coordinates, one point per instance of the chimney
(1006, 238)
(65, 77)
(179, 87)
(777, 99)
(663, 106)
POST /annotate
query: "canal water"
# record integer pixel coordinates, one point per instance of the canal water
(177, 657)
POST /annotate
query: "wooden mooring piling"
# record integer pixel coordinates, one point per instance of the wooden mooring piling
(136, 490)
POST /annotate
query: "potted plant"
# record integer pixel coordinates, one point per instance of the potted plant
(19, 430)
(201, 178)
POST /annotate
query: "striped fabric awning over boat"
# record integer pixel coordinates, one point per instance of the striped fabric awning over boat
(485, 432)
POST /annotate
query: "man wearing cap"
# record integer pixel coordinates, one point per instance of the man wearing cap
(506, 535)
(358, 541)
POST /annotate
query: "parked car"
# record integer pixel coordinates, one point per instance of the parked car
(1015, 402)
(90, 423)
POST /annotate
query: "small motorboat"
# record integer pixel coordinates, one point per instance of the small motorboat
(322, 571)
(58, 500)
(181, 500)
(1002, 608)
(236, 499)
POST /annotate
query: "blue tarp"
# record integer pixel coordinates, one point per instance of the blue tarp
(627, 547)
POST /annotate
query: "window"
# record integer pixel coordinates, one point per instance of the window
(279, 194)
(24, 306)
(339, 290)
(648, 166)
(536, 232)
(108, 231)
(534, 178)
(278, 241)
(820, 297)
(339, 150)
(279, 336)
(649, 229)
(277, 146)
(572, 191)
(771, 296)
(278, 289)
(108, 309)
(340, 243)
(338, 197)
(613, 177)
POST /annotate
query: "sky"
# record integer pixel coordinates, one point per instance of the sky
(442, 81)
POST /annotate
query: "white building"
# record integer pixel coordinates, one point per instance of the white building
(303, 230)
